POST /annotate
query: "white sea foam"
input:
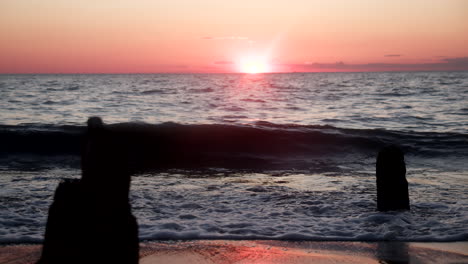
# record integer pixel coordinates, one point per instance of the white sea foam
(269, 205)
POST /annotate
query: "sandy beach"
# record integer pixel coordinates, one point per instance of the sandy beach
(229, 251)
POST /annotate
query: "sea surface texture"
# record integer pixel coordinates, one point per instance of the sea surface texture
(249, 156)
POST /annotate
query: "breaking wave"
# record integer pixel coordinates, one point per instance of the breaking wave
(262, 145)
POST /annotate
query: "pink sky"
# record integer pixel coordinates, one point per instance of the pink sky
(144, 36)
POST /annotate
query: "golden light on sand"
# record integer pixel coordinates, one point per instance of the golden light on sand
(254, 65)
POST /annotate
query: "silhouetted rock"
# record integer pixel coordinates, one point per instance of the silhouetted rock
(90, 220)
(392, 187)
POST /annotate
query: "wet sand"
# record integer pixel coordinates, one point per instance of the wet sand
(228, 251)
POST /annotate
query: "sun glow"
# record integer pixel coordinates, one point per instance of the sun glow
(253, 65)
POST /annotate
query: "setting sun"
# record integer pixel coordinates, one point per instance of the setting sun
(253, 65)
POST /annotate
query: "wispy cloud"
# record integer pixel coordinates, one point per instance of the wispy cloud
(393, 55)
(223, 62)
(462, 61)
(225, 38)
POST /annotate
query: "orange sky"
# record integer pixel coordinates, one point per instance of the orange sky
(120, 36)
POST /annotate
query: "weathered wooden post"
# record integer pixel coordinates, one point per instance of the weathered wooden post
(90, 220)
(392, 186)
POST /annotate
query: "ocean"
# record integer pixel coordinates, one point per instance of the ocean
(286, 156)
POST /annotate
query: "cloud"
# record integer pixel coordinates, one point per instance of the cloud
(462, 61)
(448, 64)
(181, 66)
(224, 62)
(226, 38)
(393, 55)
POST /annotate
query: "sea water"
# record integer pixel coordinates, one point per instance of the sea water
(296, 158)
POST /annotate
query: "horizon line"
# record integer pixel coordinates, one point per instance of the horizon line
(226, 72)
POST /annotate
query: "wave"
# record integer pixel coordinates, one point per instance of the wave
(154, 91)
(263, 144)
(168, 235)
(182, 236)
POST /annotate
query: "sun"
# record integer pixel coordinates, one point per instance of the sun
(253, 65)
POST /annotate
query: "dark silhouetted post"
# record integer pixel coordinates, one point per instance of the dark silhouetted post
(90, 220)
(392, 187)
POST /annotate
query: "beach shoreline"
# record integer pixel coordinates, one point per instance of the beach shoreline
(272, 251)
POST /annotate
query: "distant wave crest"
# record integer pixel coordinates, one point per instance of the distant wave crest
(263, 144)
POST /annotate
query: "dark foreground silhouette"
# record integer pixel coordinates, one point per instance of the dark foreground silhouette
(90, 220)
(392, 187)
